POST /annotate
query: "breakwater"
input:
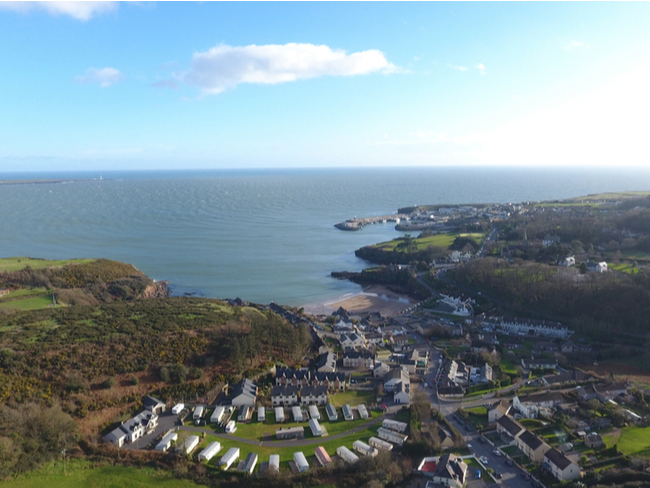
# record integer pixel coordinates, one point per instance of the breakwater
(358, 224)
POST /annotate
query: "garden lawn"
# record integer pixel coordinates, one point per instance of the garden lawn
(81, 474)
(353, 398)
(18, 263)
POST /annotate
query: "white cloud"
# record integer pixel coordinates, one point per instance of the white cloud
(480, 68)
(104, 77)
(459, 68)
(224, 67)
(78, 10)
(169, 84)
(574, 44)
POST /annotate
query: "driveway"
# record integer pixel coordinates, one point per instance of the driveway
(166, 421)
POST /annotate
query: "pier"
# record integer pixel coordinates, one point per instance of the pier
(358, 224)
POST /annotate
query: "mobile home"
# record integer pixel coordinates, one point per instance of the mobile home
(347, 455)
(210, 451)
(178, 408)
(274, 463)
(249, 464)
(363, 411)
(394, 425)
(331, 412)
(291, 433)
(379, 444)
(217, 415)
(364, 449)
(322, 456)
(230, 457)
(316, 430)
(297, 414)
(390, 436)
(313, 412)
(231, 428)
(245, 413)
(279, 414)
(190, 443)
(347, 412)
(301, 461)
(198, 413)
(261, 414)
(166, 442)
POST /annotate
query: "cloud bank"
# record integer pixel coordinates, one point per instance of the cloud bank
(224, 67)
(104, 77)
(77, 10)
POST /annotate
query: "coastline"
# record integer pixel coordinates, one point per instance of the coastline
(373, 298)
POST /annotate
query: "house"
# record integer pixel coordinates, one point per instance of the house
(532, 446)
(358, 359)
(393, 377)
(284, 395)
(313, 395)
(326, 362)
(603, 392)
(567, 262)
(560, 466)
(399, 343)
(540, 346)
(380, 369)
(414, 360)
(352, 341)
(131, 430)
(446, 440)
(593, 441)
(538, 363)
(296, 377)
(597, 267)
(570, 347)
(530, 327)
(244, 393)
(375, 339)
(4, 292)
(550, 240)
(402, 393)
(509, 429)
(447, 388)
(451, 471)
(498, 410)
(530, 405)
(481, 375)
(153, 405)
(333, 381)
(566, 378)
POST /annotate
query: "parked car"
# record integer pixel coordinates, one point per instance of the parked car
(483, 459)
(526, 476)
(498, 475)
(481, 440)
(509, 462)
(497, 452)
(478, 474)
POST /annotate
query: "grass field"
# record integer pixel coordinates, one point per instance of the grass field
(623, 267)
(437, 240)
(81, 474)
(28, 303)
(353, 398)
(634, 441)
(18, 263)
(25, 292)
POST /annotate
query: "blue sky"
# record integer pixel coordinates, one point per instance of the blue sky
(87, 86)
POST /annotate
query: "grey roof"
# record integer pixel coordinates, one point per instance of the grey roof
(326, 359)
(531, 440)
(151, 402)
(358, 355)
(313, 391)
(245, 387)
(548, 396)
(322, 376)
(557, 458)
(280, 390)
(451, 467)
(513, 428)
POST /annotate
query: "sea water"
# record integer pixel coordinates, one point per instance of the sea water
(262, 235)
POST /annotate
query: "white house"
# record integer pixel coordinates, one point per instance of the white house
(244, 393)
(393, 377)
(530, 405)
(561, 466)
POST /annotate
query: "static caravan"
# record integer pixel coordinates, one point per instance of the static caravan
(363, 411)
(322, 456)
(379, 444)
(347, 412)
(279, 414)
(390, 436)
(178, 408)
(245, 413)
(249, 464)
(364, 449)
(313, 412)
(394, 425)
(190, 443)
(316, 430)
(231, 427)
(217, 415)
(297, 414)
(230, 457)
(291, 433)
(261, 414)
(198, 413)
(166, 442)
(347, 455)
(274, 463)
(301, 461)
(331, 412)
(210, 451)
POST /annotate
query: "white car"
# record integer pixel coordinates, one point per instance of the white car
(497, 452)
(483, 460)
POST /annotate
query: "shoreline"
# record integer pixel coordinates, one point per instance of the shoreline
(372, 298)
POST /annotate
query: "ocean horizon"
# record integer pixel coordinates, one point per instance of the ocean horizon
(260, 234)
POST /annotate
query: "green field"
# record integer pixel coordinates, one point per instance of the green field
(25, 292)
(18, 263)
(81, 474)
(437, 240)
(353, 398)
(634, 441)
(623, 267)
(28, 303)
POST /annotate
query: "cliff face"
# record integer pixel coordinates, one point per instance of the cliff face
(159, 289)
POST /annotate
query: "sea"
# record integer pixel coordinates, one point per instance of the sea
(261, 235)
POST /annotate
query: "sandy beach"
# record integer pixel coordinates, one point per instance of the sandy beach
(375, 298)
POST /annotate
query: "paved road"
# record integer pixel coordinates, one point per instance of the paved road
(288, 443)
